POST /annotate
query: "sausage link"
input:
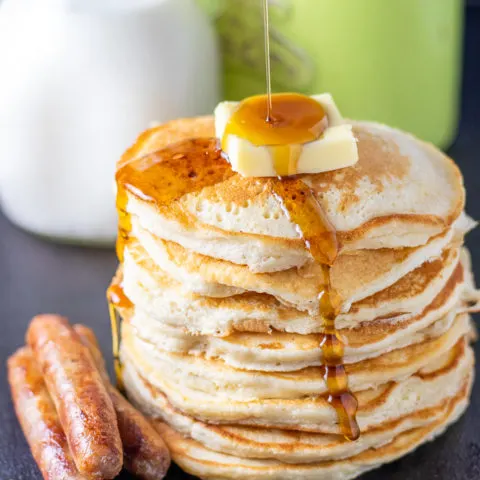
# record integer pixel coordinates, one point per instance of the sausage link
(38, 418)
(146, 455)
(83, 404)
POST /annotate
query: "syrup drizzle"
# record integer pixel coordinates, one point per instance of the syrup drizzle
(266, 32)
(340, 397)
(117, 298)
(303, 209)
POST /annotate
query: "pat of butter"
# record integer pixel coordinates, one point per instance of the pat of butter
(336, 148)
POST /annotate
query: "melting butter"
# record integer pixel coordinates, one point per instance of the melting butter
(303, 135)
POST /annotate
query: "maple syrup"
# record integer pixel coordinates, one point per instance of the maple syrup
(166, 175)
(117, 299)
(124, 225)
(340, 397)
(266, 30)
(281, 121)
(116, 296)
(115, 324)
(303, 209)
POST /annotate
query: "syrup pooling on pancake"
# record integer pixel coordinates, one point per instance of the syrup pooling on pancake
(167, 175)
(294, 120)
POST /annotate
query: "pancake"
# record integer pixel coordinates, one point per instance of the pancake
(409, 295)
(354, 276)
(283, 445)
(165, 300)
(223, 343)
(386, 388)
(198, 460)
(278, 351)
(381, 202)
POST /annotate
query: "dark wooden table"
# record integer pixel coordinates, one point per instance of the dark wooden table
(37, 276)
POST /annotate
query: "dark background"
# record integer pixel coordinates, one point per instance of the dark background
(36, 276)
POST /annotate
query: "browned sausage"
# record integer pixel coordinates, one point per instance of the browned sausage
(145, 453)
(88, 338)
(38, 418)
(83, 404)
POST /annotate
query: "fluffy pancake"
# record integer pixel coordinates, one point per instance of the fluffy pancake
(211, 391)
(240, 220)
(164, 299)
(222, 341)
(354, 276)
(283, 445)
(278, 351)
(198, 460)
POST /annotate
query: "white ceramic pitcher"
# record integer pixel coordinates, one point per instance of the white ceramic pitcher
(79, 80)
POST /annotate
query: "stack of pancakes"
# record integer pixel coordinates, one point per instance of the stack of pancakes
(220, 337)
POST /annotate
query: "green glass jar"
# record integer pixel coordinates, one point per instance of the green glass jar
(392, 61)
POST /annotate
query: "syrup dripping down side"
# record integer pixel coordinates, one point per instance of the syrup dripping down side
(303, 209)
(116, 298)
(340, 396)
